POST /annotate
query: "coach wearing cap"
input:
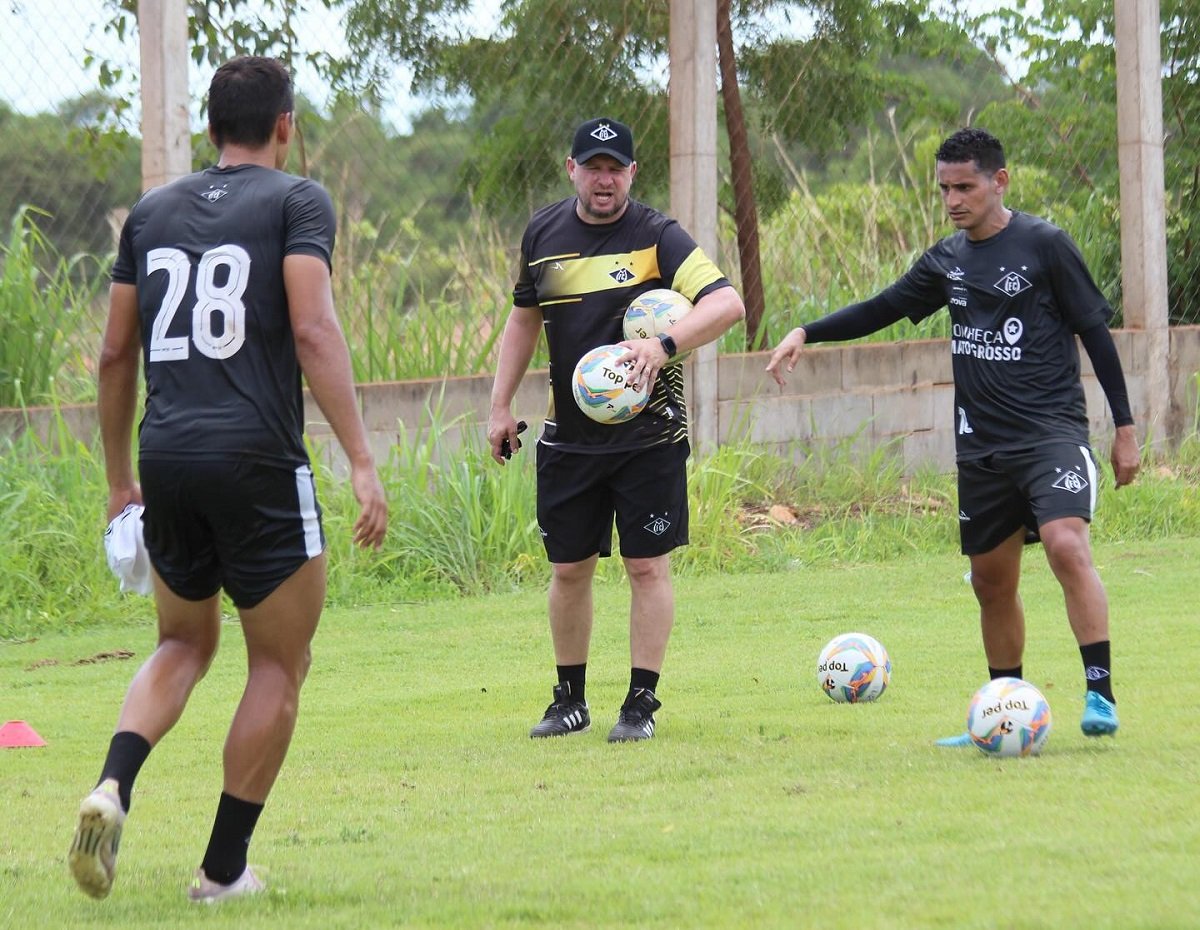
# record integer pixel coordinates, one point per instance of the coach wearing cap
(583, 260)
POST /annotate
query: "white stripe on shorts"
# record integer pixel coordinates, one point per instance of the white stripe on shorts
(306, 493)
(1090, 464)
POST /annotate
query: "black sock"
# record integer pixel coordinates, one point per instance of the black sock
(127, 751)
(1097, 667)
(1004, 672)
(225, 858)
(642, 678)
(576, 677)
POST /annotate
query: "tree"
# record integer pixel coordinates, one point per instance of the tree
(71, 171)
(549, 66)
(1063, 120)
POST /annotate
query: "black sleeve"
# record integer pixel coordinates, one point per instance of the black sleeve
(854, 321)
(1106, 363)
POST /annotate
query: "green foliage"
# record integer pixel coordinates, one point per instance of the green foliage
(46, 305)
(1062, 118)
(463, 525)
(72, 169)
(52, 497)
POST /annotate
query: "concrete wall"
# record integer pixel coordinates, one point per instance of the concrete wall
(859, 396)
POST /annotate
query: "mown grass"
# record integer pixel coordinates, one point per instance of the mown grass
(413, 798)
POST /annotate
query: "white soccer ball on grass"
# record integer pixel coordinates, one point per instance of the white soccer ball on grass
(854, 668)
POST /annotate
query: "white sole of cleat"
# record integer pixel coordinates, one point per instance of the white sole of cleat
(93, 855)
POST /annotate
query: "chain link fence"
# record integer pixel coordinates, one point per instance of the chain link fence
(439, 127)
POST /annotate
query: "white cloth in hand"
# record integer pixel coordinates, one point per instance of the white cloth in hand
(126, 551)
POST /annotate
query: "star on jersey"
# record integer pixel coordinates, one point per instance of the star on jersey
(1012, 283)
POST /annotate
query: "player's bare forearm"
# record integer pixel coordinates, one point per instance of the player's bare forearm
(714, 314)
(116, 386)
(325, 360)
(517, 345)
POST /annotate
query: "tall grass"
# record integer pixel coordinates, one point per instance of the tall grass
(463, 525)
(47, 323)
(52, 569)
(397, 330)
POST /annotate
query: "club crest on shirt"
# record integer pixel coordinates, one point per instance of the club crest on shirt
(621, 275)
(214, 193)
(1012, 284)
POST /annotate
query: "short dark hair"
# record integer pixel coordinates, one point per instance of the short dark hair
(977, 145)
(245, 98)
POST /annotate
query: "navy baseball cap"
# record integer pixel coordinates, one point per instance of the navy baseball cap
(603, 136)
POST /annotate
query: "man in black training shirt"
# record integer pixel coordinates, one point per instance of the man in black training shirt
(221, 288)
(1019, 294)
(583, 260)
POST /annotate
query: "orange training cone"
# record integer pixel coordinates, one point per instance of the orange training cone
(17, 734)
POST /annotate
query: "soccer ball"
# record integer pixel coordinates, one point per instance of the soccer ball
(1009, 717)
(655, 312)
(853, 668)
(601, 386)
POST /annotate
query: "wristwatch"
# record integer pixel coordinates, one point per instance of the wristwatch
(668, 345)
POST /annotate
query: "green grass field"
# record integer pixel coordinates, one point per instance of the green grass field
(412, 796)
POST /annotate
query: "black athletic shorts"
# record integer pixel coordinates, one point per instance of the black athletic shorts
(1004, 491)
(578, 495)
(244, 526)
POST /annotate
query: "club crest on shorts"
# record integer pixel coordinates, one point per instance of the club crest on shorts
(657, 525)
(1071, 480)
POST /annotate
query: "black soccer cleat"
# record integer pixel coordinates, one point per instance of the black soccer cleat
(564, 716)
(636, 720)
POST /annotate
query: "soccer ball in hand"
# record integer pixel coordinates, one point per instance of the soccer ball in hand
(601, 386)
(853, 668)
(1009, 717)
(655, 312)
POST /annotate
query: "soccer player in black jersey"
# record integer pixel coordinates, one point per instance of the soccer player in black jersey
(583, 260)
(221, 288)
(1019, 294)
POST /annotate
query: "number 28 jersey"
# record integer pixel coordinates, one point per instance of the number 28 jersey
(206, 254)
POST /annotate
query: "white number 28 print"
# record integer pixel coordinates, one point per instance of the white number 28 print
(211, 299)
